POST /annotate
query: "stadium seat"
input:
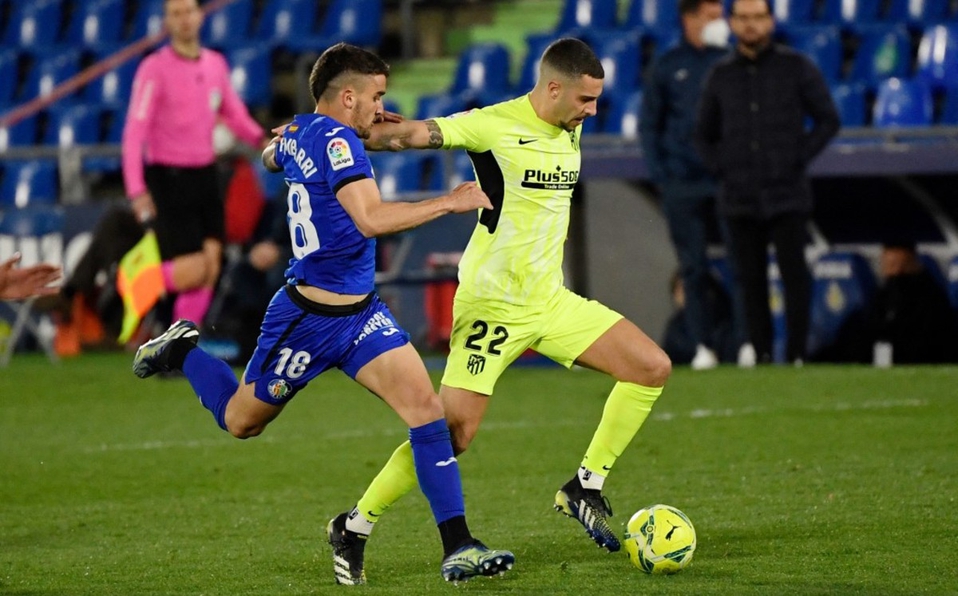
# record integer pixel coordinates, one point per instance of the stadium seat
(918, 13)
(28, 182)
(949, 109)
(461, 169)
(821, 43)
(843, 286)
(622, 115)
(659, 20)
(9, 73)
(72, 125)
(793, 12)
(851, 13)
(229, 26)
(482, 68)
(584, 15)
(113, 117)
(883, 52)
(20, 134)
(251, 73)
(850, 100)
(148, 19)
(354, 21)
(441, 104)
(114, 86)
(33, 24)
(95, 22)
(536, 44)
(620, 55)
(35, 232)
(902, 102)
(283, 21)
(48, 71)
(397, 173)
(938, 56)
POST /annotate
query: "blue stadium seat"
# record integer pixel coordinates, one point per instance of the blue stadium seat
(397, 173)
(620, 56)
(938, 56)
(482, 68)
(28, 182)
(584, 15)
(283, 21)
(48, 71)
(794, 12)
(228, 26)
(622, 115)
(850, 100)
(113, 86)
(949, 109)
(536, 44)
(441, 104)
(95, 22)
(33, 24)
(883, 52)
(71, 125)
(821, 43)
(113, 117)
(843, 286)
(852, 13)
(251, 72)
(918, 13)
(461, 169)
(354, 21)
(20, 134)
(902, 102)
(659, 20)
(148, 19)
(9, 74)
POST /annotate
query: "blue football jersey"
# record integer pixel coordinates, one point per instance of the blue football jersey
(319, 156)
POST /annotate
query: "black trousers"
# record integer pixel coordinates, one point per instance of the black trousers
(750, 238)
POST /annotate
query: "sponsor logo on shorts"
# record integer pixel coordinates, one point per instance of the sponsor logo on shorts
(339, 153)
(375, 323)
(476, 363)
(278, 388)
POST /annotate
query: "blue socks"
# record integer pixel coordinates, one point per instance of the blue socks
(214, 383)
(437, 469)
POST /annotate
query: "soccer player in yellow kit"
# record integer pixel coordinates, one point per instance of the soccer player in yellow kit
(511, 296)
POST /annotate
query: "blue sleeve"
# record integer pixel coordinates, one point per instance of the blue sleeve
(343, 159)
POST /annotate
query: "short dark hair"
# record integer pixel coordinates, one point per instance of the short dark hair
(343, 58)
(573, 58)
(690, 6)
(768, 5)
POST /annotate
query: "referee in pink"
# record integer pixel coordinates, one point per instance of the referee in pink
(179, 93)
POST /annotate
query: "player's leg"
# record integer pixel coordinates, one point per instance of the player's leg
(594, 336)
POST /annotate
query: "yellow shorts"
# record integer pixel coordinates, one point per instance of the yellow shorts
(487, 336)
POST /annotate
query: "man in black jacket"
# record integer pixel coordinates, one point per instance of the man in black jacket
(687, 189)
(751, 133)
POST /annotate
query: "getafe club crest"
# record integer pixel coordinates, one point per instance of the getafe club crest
(278, 388)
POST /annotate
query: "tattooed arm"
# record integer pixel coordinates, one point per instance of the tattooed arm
(409, 134)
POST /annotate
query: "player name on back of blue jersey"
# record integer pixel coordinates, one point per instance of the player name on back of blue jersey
(305, 163)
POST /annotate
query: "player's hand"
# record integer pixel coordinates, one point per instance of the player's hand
(264, 255)
(280, 130)
(143, 207)
(468, 197)
(17, 284)
(392, 117)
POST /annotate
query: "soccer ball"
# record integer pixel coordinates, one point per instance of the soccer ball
(660, 539)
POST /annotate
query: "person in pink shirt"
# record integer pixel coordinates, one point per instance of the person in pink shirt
(180, 92)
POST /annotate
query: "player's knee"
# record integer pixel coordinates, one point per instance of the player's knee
(659, 368)
(243, 427)
(425, 410)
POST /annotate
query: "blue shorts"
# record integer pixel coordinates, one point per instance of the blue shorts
(300, 339)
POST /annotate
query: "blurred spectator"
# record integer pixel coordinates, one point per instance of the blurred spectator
(678, 341)
(752, 134)
(179, 93)
(912, 311)
(672, 90)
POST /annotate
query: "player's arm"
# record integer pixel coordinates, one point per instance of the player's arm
(373, 217)
(269, 156)
(408, 134)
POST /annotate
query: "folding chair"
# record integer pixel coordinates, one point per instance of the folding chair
(37, 233)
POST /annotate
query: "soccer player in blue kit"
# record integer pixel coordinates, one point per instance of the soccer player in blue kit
(328, 315)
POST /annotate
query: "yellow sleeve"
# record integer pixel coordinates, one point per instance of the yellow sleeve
(472, 131)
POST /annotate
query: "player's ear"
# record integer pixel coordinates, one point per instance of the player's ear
(349, 97)
(555, 87)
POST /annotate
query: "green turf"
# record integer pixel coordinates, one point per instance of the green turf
(822, 480)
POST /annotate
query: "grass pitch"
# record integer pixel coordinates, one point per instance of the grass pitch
(821, 480)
